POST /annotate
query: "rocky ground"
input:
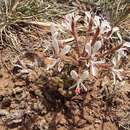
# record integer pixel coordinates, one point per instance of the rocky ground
(29, 100)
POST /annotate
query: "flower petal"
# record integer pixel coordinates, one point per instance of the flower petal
(84, 87)
(84, 76)
(74, 74)
(88, 49)
(97, 21)
(126, 44)
(93, 70)
(96, 46)
(105, 27)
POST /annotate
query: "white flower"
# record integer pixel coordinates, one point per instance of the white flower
(59, 52)
(97, 21)
(105, 27)
(58, 59)
(91, 51)
(55, 42)
(79, 79)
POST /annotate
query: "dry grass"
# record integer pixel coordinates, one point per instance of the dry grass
(14, 11)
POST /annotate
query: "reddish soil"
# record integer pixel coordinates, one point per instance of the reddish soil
(30, 100)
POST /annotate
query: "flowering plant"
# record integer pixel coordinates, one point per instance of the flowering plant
(89, 56)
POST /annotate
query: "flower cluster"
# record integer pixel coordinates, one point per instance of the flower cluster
(99, 49)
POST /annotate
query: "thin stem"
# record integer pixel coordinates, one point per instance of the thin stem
(75, 34)
(95, 36)
(77, 44)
